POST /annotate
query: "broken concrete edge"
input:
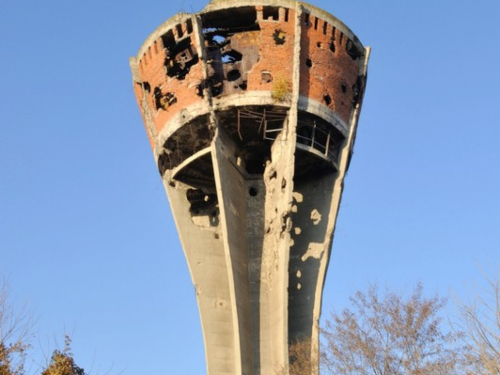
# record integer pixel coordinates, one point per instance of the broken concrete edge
(336, 201)
(226, 4)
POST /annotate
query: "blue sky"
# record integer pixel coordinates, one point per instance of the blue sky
(87, 239)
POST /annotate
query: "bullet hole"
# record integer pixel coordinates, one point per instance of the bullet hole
(279, 37)
(252, 191)
(327, 99)
(243, 86)
(146, 86)
(283, 183)
(318, 44)
(233, 75)
(343, 87)
(266, 77)
(216, 235)
(309, 63)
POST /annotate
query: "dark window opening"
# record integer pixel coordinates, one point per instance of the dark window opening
(327, 98)
(286, 14)
(352, 50)
(356, 89)
(233, 75)
(168, 40)
(332, 45)
(316, 22)
(309, 63)
(155, 47)
(279, 37)
(271, 14)
(306, 19)
(237, 19)
(333, 33)
(146, 86)
(189, 26)
(178, 28)
(325, 27)
(341, 38)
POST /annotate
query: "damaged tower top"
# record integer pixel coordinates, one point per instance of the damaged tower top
(251, 108)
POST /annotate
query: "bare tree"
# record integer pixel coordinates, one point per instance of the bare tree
(390, 335)
(14, 332)
(481, 323)
(303, 359)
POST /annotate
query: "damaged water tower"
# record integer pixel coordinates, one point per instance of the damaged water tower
(251, 108)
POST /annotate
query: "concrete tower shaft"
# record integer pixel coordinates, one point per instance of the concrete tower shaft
(251, 108)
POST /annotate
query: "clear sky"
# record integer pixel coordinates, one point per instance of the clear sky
(87, 239)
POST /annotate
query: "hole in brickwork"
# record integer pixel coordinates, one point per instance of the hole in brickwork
(271, 14)
(309, 63)
(318, 44)
(189, 26)
(146, 86)
(163, 101)
(266, 77)
(279, 37)
(343, 86)
(231, 57)
(252, 191)
(233, 75)
(327, 98)
(180, 58)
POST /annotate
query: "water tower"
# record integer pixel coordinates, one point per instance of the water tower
(251, 108)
